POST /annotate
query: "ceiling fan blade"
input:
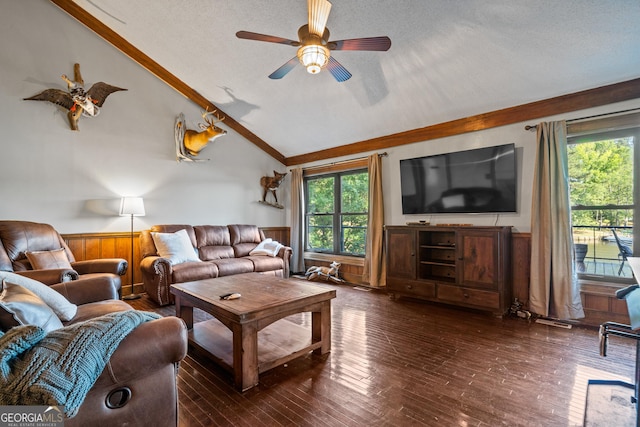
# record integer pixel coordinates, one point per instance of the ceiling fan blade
(318, 16)
(265, 38)
(337, 70)
(367, 43)
(284, 69)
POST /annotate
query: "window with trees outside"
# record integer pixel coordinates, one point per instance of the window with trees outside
(604, 202)
(336, 212)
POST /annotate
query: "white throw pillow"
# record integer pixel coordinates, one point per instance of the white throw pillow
(20, 306)
(55, 300)
(267, 247)
(176, 247)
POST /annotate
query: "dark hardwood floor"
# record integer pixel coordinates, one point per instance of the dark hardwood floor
(405, 362)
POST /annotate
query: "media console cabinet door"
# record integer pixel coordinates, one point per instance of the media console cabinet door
(479, 258)
(401, 253)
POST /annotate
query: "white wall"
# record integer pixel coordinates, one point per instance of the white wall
(74, 180)
(525, 150)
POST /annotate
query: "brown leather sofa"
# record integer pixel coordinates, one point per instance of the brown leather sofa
(138, 385)
(223, 248)
(17, 238)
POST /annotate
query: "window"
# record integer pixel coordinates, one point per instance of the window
(604, 201)
(337, 211)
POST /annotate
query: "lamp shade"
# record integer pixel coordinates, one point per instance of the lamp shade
(132, 206)
(313, 57)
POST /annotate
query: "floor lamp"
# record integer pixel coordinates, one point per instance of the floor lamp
(132, 206)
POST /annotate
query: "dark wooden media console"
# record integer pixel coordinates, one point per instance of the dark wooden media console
(460, 265)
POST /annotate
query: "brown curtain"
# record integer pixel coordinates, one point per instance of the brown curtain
(374, 267)
(553, 290)
(297, 221)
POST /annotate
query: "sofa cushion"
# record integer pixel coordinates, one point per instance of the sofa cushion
(244, 238)
(172, 228)
(243, 249)
(228, 267)
(20, 306)
(176, 247)
(97, 309)
(209, 253)
(245, 233)
(189, 271)
(212, 235)
(55, 300)
(263, 263)
(48, 260)
(214, 242)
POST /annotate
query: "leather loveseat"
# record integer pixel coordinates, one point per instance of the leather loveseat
(138, 385)
(21, 239)
(222, 250)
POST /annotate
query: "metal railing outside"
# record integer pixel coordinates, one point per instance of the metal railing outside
(602, 255)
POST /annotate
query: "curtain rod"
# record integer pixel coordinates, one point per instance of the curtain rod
(533, 127)
(341, 161)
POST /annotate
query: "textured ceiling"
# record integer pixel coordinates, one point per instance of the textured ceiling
(448, 59)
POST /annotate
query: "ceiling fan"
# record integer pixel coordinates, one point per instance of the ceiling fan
(314, 45)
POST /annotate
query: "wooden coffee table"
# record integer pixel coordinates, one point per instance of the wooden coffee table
(232, 339)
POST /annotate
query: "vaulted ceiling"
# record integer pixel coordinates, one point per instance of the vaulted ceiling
(452, 64)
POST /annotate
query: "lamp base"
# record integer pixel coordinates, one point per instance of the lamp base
(131, 296)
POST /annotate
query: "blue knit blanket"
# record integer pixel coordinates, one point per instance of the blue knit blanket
(59, 368)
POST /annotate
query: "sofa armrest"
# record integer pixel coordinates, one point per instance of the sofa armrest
(49, 277)
(84, 291)
(139, 379)
(285, 253)
(148, 348)
(105, 265)
(156, 278)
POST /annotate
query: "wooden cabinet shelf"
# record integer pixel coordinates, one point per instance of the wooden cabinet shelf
(437, 263)
(465, 266)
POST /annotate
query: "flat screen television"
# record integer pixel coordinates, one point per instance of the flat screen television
(481, 180)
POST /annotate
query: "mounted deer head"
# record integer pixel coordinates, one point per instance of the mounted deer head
(194, 141)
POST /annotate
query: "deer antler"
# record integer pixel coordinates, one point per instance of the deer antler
(206, 112)
(205, 116)
(208, 122)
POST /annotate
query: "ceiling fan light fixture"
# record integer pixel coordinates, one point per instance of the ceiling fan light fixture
(313, 57)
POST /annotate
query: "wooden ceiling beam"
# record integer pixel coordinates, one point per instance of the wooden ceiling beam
(590, 98)
(163, 74)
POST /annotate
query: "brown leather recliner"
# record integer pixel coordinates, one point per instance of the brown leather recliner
(19, 237)
(138, 385)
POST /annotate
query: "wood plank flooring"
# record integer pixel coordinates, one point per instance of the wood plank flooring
(404, 362)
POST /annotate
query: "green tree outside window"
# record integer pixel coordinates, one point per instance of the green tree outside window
(337, 212)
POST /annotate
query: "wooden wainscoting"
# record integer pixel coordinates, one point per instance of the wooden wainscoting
(109, 245)
(601, 305)
(598, 298)
(280, 234)
(520, 266)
